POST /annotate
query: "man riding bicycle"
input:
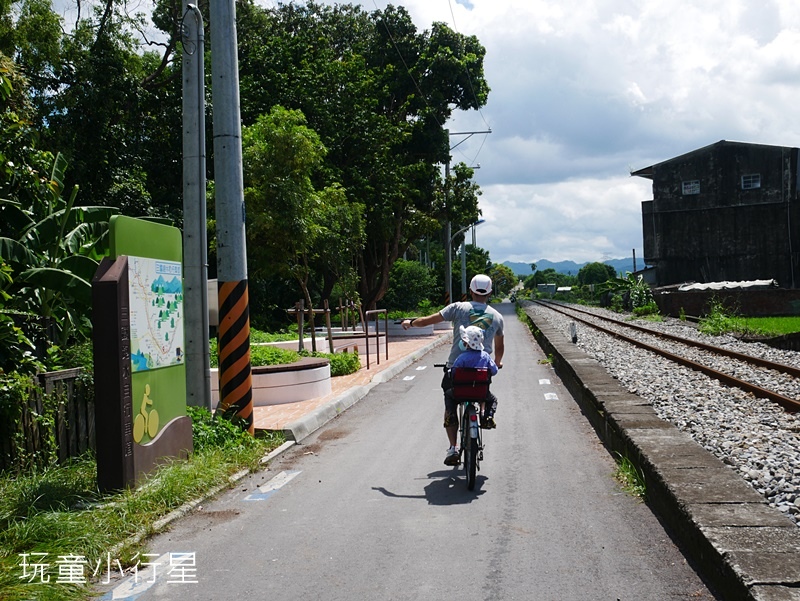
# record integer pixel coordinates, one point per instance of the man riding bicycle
(476, 312)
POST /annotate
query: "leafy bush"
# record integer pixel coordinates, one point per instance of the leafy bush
(209, 432)
(271, 355)
(15, 392)
(289, 333)
(425, 307)
(342, 364)
(259, 355)
(641, 295)
(75, 355)
(720, 321)
(648, 309)
(636, 290)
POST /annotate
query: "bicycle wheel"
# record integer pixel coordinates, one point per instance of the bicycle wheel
(472, 467)
(469, 446)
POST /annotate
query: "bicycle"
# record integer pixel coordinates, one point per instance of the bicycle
(470, 389)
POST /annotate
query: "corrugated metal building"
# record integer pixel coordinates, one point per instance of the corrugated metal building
(728, 211)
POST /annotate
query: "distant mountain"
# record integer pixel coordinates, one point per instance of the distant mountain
(571, 267)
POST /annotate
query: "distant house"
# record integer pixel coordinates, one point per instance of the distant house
(728, 211)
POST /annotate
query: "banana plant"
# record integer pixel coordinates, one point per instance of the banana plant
(54, 248)
(638, 290)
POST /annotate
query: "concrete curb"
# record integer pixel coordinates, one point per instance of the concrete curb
(743, 547)
(310, 423)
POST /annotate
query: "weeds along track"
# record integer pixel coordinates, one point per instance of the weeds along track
(746, 372)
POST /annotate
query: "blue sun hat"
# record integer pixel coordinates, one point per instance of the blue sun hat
(472, 336)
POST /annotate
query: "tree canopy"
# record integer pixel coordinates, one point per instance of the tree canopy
(364, 101)
(596, 273)
(378, 93)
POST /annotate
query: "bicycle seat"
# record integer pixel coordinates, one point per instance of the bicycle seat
(471, 382)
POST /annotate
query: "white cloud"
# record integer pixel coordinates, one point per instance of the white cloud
(582, 220)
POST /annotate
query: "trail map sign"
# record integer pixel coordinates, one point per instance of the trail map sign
(156, 297)
(140, 376)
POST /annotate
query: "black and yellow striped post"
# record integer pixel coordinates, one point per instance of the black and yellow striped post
(235, 379)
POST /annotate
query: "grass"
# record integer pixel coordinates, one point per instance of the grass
(772, 326)
(59, 512)
(630, 478)
(720, 321)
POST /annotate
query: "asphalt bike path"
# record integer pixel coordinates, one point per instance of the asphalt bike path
(366, 509)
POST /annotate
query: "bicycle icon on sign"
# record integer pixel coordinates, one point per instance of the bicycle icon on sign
(146, 421)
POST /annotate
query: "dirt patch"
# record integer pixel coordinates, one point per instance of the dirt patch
(334, 434)
(216, 517)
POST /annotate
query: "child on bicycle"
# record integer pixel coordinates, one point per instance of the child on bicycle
(475, 356)
(476, 312)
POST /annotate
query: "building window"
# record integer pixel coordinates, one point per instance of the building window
(691, 186)
(751, 182)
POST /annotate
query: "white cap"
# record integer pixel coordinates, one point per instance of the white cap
(472, 337)
(481, 284)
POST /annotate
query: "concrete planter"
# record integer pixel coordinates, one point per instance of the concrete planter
(306, 379)
(443, 325)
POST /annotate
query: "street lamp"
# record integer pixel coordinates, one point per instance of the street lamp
(449, 263)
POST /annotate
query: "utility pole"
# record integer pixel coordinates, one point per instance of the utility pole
(448, 240)
(235, 378)
(195, 253)
(448, 252)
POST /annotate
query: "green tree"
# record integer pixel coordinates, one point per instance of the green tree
(410, 283)
(378, 93)
(503, 279)
(295, 229)
(549, 276)
(478, 260)
(108, 102)
(596, 273)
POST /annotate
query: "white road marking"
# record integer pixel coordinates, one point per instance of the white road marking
(544, 382)
(135, 585)
(275, 484)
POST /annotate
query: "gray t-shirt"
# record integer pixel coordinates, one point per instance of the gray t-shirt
(472, 313)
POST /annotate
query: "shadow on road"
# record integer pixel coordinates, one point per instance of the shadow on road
(446, 487)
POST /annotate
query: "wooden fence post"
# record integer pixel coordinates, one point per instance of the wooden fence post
(299, 311)
(328, 323)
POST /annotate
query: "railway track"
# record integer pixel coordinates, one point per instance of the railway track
(693, 347)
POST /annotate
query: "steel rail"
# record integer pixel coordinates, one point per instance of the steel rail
(787, 403)
(781, 367)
